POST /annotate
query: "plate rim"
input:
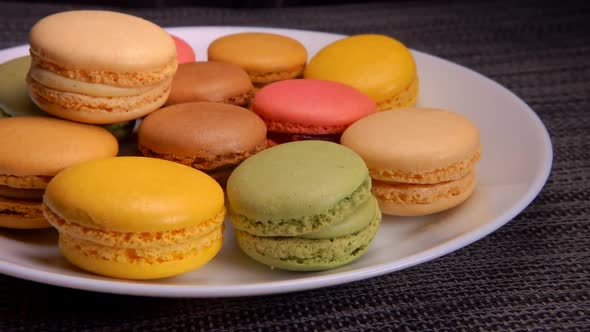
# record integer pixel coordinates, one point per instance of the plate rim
(128, 287)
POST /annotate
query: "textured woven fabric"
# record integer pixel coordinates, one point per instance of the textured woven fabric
(531, 275)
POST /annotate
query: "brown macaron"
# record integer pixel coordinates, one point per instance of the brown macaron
(211, 81)
(32, 151)
(211, 137)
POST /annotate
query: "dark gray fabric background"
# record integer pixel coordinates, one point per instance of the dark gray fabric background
(531, 275)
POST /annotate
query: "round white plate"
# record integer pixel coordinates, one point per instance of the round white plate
(516, 161)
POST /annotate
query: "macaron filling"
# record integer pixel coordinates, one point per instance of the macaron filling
(58, 82)
(353, 223)
(103, 76)
(20, 193)
(20, 207)
(306, 224)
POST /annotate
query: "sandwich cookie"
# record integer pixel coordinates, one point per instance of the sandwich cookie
(32, 151)
(210, 137)
(212, 81)
(303, 206)
(422, 161)
(306, 109)
(377, 65)
(99, 66)
(135, 217)
(266, 57)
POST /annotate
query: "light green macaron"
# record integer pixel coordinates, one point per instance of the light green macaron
(14, 98)
(304, 206)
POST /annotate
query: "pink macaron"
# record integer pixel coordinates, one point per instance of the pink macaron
(308, 109)
(184, 52)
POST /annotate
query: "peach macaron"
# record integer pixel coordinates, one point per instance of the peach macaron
(304, 109)
(99, 66)
(422, 161)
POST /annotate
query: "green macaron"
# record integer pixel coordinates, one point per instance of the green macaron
(14, 98)
(15, 101)
(303, 206)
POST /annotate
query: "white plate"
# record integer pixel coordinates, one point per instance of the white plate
(516, 161)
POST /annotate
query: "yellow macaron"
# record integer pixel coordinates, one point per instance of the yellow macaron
(266, 57)
(135, 217)
(99, 67)
(422, 161)
(378, 65)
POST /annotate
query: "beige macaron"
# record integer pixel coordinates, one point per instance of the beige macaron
(32, 151)
(99, 66)
(422, 161)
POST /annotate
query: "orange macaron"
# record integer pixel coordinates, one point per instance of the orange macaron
(267, 57)
(32, 151)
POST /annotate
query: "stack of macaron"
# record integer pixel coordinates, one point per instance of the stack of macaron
(310, 152)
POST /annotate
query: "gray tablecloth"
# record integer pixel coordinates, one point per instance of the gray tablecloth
(532, 274)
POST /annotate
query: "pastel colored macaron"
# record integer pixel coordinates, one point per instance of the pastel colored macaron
(14, 97)
(184, 52)
(99, 66)
(135, 217)
(303, 206)
(211, 81)
(303, 109)
(32, 151)
(211, 137)
(15, 100)
(267, 57)
(378, 65)
(422, 161)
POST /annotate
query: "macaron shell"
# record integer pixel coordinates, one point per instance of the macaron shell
(184, 52)
(138, 270)
(259, 52)
(295, 180)
(210, 81)
(14, 98)
(377, 65)
(419, 200)
(308, 102)
(45, 146)
(20, 193)
(158, 195)
(298, 254)
(413, 140)
(202, 130)
(120, 42)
